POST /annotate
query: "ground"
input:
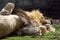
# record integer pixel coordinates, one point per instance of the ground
(48, 36)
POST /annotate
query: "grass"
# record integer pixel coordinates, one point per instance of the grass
(48, 36)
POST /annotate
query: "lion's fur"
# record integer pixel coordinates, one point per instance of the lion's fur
(22, 20)
(8, 24)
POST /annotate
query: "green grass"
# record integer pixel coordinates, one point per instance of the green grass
(48, 36)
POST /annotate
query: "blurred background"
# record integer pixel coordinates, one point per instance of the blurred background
(50, 8)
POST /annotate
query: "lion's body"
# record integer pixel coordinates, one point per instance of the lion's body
(8, 24)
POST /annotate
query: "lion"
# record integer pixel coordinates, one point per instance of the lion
(29, 21)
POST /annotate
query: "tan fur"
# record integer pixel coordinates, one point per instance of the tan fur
(37, 16)
(7, 9)
(8, 24)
